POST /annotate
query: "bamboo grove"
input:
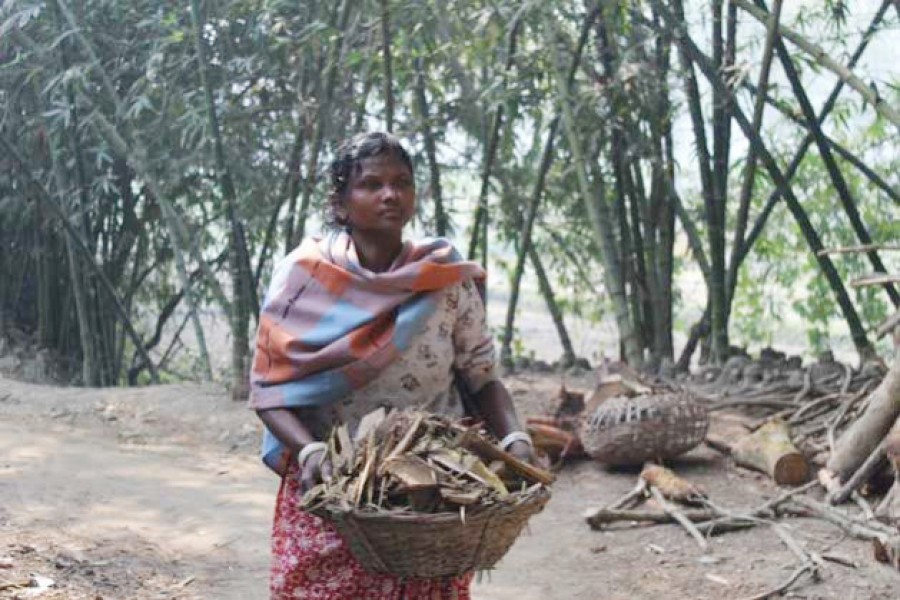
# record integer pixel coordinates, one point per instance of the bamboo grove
(158, 158)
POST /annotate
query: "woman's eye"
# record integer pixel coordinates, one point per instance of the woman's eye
(371, 185)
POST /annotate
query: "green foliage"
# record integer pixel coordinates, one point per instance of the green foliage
(112, 128)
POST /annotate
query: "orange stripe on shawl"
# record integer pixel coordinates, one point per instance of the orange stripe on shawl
(377, 334)
(272, 347)
(331, 277)
(435, 276)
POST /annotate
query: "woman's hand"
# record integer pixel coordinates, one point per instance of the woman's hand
(315, 469)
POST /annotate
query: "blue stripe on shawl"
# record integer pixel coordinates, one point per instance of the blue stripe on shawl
(342, 318)
(326, 387)
(273, 453)
(411, 318)
(314, 390)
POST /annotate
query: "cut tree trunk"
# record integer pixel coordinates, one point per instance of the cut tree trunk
(858, 442)
(769, 449)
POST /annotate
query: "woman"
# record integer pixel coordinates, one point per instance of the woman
(357, 320)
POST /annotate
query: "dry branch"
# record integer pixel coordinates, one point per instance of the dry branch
(598, 517)
(875, 279)
(861, 476)
(795, 576)
(888, 325)
(679, 516)
(858, 249)
(631, 498)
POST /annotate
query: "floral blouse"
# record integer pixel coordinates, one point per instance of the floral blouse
(455, 339)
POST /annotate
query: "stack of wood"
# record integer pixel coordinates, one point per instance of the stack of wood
(874, 438)
(868, 445)
(845, 421)
(810, 408)
(413, 461)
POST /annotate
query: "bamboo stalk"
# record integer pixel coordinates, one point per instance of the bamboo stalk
(323, 119)
(859, 248)
(534, 200)
(440, 216)
(749, 172)
(244, 300)
(888, 325)
(601, 224)
(800, 153)
(83, 247)
(552, 306)
(834, 172)
(480, 218)
(388, 77)
(858, 334)
(883, 107)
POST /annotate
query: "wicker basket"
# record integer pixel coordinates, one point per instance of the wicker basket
(431, 546)
(625, 431)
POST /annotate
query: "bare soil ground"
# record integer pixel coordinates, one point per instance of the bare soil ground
(157, 492)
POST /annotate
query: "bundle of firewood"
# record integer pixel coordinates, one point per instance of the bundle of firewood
(801, 413)
(413, 461)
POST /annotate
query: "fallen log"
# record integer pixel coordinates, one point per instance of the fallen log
(769, 449)
(724, 429)
(861, 438)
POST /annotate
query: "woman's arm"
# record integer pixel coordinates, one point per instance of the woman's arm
(496, 406)
(474, 363)
(287, 427)
(290, 431)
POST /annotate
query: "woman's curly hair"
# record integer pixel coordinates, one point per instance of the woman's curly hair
(347, 161)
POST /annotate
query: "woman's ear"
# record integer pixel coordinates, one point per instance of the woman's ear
(338, 209)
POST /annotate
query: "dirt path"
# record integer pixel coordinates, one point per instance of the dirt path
(158, 493)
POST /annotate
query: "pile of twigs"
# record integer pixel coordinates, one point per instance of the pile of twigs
(677, 501)
(817, 402)
(412, 461)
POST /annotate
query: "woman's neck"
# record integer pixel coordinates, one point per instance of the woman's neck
(376, 254)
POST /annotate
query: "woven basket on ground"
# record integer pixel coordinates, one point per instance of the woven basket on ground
(624, 430)
(421, 545)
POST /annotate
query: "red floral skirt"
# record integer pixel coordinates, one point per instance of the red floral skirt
(310, 561)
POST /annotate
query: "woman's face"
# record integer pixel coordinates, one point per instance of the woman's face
(381, 196)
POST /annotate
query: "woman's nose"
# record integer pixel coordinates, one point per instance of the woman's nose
(389, 192)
